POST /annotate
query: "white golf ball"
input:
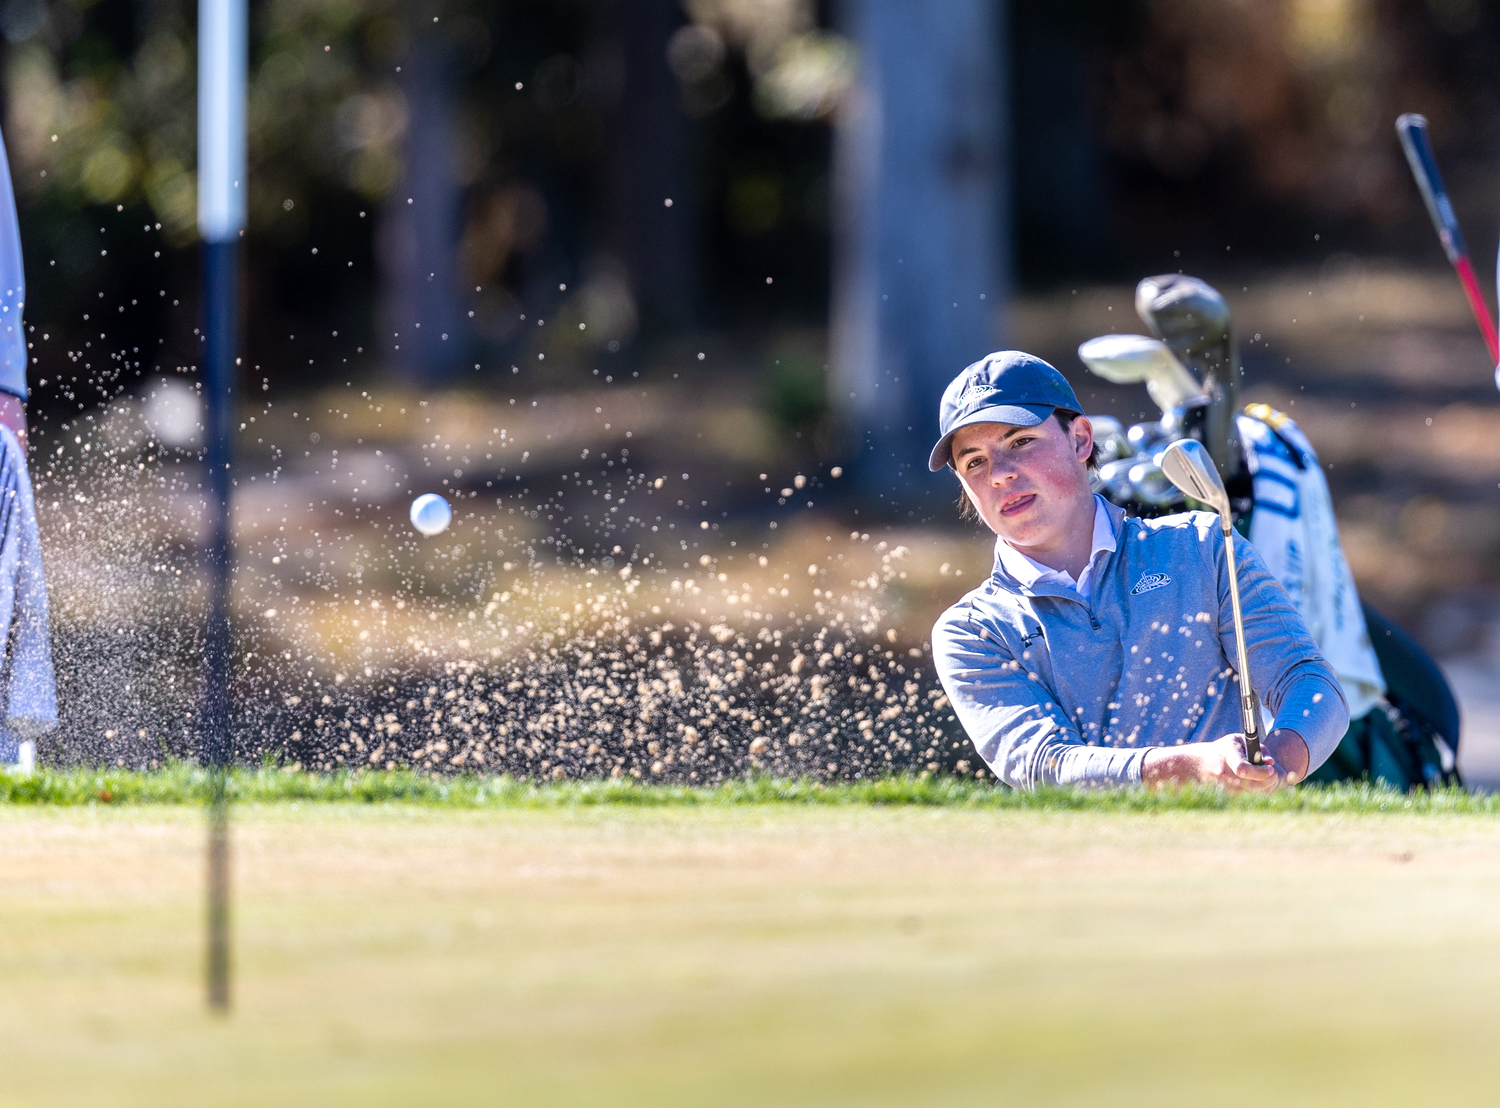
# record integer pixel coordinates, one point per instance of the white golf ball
(430, 514)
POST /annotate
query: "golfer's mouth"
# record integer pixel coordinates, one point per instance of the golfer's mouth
(1017, 504)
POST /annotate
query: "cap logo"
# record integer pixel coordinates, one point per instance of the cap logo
(975, 388)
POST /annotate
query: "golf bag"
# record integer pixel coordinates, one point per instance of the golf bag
(1404, 728)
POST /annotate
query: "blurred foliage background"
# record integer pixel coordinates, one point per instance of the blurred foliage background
(471, 162)
(587, 228)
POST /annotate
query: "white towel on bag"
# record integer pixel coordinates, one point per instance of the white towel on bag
(1296, 534)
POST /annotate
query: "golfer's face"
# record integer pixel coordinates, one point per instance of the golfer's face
(1026, 482)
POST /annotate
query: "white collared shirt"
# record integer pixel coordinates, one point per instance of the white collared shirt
(1031, 573)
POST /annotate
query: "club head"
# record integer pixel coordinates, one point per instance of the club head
(1193, 319)
(1190, 315)
(1188, 466)
(1106, 425)
(1128, 359)
(1144, 437)
(1113, 479)
(1109, 438)
(1150, 485)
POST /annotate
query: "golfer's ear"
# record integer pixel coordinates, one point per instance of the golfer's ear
(1083, 437)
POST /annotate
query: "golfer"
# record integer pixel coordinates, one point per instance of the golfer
(1099, 651)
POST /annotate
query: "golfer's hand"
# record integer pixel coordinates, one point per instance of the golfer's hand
(1221, 762)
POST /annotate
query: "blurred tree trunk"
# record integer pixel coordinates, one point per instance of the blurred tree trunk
(921, 268)
(1061, 202)
(422, 224)
(652, 162)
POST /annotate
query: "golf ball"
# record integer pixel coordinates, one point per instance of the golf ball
(430, 514)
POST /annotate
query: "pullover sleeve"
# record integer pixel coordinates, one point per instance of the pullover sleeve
(13, 358)
(1017, 728)
(1287, 671)
(28, 691)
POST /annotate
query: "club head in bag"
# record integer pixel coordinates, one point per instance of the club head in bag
(1188, 466)
(1128, 359)
(1194, 320)
(1109, 438)
(1190, 315)
(1150, 485)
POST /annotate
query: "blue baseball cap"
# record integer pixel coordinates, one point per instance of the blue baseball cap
(1008, 386)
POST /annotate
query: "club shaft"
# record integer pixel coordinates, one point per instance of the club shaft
(1481, 310)
(1247, 697)
(1412, 130)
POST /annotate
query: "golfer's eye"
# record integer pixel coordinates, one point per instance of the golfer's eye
(1022, 440)
(972, 462)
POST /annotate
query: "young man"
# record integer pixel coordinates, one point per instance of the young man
(1100, 650)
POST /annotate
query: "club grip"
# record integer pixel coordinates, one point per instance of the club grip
(1411, 128)
(1250, 707)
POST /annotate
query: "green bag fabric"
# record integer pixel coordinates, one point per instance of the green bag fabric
(1394, 745)
(1411, 740)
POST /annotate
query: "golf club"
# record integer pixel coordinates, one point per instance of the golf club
(1195, 322)
(1188, 466)
(1144, 438)
(1149, 484)
(1127, 359)
(1412, 130)
(1110, 439)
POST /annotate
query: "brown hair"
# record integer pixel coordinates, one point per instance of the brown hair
(1065, 418)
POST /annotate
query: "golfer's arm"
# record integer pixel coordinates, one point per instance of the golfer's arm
(1090, 767)
(1287, 670)
(13, 415)
(1020, 732)
(1290, 751)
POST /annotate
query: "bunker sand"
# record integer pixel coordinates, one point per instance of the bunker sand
(742, 956)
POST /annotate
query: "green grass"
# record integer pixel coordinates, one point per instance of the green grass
(737, 955)
(185, 783)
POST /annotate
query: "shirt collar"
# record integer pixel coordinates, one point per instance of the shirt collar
(1026, 572)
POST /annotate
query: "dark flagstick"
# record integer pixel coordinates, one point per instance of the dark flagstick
(221, 217)
(219, 302)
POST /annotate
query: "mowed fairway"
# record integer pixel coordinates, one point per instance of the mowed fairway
(753, 955)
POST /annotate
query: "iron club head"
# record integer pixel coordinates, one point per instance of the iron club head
(1194, 320)
(1188, 466)
(1127, 359)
